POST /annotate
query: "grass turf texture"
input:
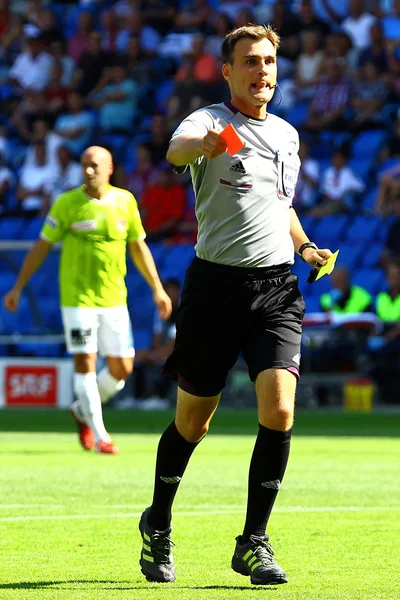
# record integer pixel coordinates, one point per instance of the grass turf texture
(68, 519)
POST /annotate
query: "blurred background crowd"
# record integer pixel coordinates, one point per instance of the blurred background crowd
(123, 74)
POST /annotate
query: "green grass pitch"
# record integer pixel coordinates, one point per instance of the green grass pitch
(68, 519)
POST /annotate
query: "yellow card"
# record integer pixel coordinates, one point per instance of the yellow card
(328, 268)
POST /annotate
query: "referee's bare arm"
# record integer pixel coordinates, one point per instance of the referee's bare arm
(184, 149)
(313, 256)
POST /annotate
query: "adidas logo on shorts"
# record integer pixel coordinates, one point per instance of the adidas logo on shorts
(238, 167)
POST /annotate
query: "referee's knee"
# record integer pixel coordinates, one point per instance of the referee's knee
(191, 430)
(278, 416)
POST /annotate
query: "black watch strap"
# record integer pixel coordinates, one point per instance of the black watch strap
(307, 245)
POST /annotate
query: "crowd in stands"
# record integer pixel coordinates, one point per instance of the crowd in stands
(124, 73)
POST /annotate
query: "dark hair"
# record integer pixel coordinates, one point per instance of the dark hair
(254, 32)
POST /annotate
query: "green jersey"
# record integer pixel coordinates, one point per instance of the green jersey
(94, 235)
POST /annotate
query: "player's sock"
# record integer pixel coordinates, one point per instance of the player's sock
(267, 467)
(85, 387)
(108, 385)
(173, 456)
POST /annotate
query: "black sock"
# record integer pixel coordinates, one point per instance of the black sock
(267, 467)
(173, 456)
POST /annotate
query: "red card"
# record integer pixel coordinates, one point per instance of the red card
(232, 139)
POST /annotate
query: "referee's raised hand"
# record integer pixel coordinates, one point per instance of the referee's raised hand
(213, 144)
(316, 257)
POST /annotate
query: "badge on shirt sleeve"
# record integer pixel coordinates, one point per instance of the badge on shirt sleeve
(288, 172)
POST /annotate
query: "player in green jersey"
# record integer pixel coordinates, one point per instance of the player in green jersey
(96, 223)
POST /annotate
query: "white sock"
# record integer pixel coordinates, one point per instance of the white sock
(85, 387)
(108, 385)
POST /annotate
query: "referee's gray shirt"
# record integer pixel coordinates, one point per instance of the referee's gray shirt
(243, 201)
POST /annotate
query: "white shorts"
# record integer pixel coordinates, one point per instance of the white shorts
(104, 330)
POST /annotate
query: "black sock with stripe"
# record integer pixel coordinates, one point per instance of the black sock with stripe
(173, 456)
(267, 467)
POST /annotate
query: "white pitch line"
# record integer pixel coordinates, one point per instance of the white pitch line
(282, 509)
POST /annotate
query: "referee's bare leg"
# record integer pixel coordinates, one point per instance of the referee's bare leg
(193, 416)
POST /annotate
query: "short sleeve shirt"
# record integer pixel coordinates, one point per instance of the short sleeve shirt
(94, 235)
(243, 202)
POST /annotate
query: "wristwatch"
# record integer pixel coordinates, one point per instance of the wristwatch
(306, 245)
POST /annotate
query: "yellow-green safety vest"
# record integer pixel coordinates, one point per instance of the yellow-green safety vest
(388, 309)
(358, 301)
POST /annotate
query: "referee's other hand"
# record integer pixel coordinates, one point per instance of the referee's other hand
(213, 144)
(316, 257)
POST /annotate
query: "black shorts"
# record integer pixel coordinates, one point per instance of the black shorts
(225, 311)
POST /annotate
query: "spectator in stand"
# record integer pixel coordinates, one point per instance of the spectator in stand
(49, 32)
(109, 30)
(391, 250)
(11, 40)
(34, 182)
(307, 186)
(76, 127)
(307, 72)
(344, 296)
(78, 42)
(392, 148)
(308, 66)
(159, 14)
(197, 81)
(139, 66)
(186, 231)
(377, 50)
(368, 99)
(7, 181)
(338, 46)
(66, 175)
(91, 65)
(117, 102)
(340, 187)
(287, 26)
(144, 173)
(32, 107)
(159, 139)
(220, 26)
(42, 133)
(308, 20)
(331, 100)
(149, 38)
(384, 350)
(193, 17)
(31, 69)
(162, 205)
(357, 24)
(5, 17)
(55, 93)
(57, 50)
(389, 189)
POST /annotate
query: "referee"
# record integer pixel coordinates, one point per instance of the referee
(239, 297)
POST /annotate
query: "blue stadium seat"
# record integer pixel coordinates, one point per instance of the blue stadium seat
(142, 338)
(297, 115)
(373, 280)
(18, 322)
(32, 228)
(10, 229)
(368, 201)
(39, 350)
(368, 143)
(158, 251)
(141, 309)
(350, 255)
(163, 93)
(391, 27)
(364, 228)
(331, 228)
(361, 167)
(179, 256)
(312, 303)
(51, 315)
(7, 280)
(308, 222)
(372, 256)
